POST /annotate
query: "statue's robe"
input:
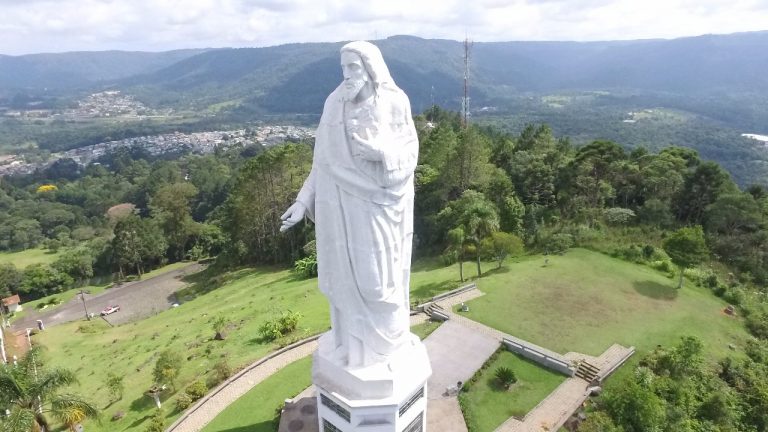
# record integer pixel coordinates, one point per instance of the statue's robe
(363, 211)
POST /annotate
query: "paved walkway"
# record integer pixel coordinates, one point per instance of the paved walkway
(456, 352)
(210, 406)
(554, 410)
(456, 349)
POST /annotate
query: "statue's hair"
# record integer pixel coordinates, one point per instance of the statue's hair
(374, 64)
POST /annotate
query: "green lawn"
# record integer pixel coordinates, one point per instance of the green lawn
(246, 297)
(28, 257)
(425, 329)
(487, 405)
(252, 297)
(585, 301)
(255, 411)
(582, 301)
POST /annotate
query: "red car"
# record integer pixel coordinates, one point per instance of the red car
(110, 310)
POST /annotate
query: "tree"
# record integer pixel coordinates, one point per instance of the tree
(137, 242)
(115, 385)
(598, 421)
(39, 280)
(32, 393)
(265, 186)
(687, 248)
(167, 368)
(78, 264)
(476, 216)
(10, 278)
(456, 239)
(170, 205)
(500, 245)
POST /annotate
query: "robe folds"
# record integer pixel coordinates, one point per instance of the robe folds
(363, 212)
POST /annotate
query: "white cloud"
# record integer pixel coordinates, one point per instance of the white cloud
(63, 25)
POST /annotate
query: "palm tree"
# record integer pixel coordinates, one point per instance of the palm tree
(31, 394)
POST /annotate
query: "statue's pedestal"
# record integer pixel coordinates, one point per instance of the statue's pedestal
(385, 397)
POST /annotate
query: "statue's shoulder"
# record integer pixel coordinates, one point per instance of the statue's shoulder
(399, 104)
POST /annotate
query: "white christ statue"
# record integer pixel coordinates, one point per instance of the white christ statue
(359, 193)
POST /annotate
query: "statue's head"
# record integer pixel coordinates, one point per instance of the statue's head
(363, 65)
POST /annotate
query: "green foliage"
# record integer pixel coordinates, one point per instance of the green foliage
(265, 186)
(618, 215)
(222, 370)
(505, 376)
(219, 324)
(10, 279)
(279, 326)
(196, 390)
(167, 368)
(598, 421)
(500, 245)
(39, 280)
(557, 243)
(757, 324)
(116, 385)
(687, 248)
(170, 205)
(156, 422)
(306, 267)
(32, 392)
(183, 401)
(138, 242)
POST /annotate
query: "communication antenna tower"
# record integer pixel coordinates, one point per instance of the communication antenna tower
(465, 99)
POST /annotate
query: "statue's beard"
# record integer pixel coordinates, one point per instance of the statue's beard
(352, 88)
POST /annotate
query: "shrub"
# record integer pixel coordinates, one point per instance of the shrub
(662, 266)
(557, 243)
(280, 326)
(306, 267)
(157, 422)
(196, 390)
(183, 402)
(757, 324)
(618, 215)
(222, 370)
(505, 376)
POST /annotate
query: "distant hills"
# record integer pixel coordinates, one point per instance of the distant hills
(295, 78)
(704, 91)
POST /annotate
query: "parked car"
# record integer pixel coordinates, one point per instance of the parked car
(110, 310)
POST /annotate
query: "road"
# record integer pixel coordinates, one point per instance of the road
(136, 299)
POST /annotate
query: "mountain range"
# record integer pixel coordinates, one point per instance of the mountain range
(295, 78)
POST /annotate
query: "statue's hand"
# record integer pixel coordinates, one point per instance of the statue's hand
(366, 148)
(292, 216)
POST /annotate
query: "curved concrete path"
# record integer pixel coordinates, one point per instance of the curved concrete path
(207, 408)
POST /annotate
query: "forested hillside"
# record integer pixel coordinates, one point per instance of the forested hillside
(481, 194)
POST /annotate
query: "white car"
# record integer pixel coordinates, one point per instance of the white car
(110, 310)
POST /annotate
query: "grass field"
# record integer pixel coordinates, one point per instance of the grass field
(255, 411)
(247, 298)
(584, 301)
(28, 257)
(487, 405)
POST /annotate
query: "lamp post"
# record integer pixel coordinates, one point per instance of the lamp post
(82, 297)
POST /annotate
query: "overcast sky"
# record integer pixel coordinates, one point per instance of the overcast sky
(29, 26)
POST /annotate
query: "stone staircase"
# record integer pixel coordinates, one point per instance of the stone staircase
(436, 312)
(587, 371)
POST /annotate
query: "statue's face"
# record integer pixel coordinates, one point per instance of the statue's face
(355, 75)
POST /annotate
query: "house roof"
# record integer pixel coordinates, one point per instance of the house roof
(12, 300)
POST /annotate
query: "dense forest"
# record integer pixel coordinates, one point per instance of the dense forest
(478, 189)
